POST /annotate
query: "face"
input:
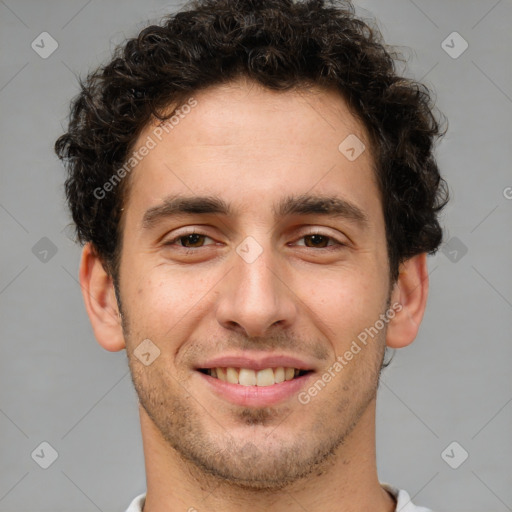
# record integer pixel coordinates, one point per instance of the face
(251, 242)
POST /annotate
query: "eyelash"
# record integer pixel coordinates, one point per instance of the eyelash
(188, 250)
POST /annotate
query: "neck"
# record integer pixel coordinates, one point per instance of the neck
(346, 482)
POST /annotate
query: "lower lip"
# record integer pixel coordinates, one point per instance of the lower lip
(256, 396)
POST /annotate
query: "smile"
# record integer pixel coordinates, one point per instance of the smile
(250, 377)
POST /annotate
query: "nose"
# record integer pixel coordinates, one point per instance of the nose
(256, 296)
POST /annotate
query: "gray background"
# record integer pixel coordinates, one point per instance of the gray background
(453, 384)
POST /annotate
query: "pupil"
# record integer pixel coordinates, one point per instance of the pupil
(317, 240)
(192, 239)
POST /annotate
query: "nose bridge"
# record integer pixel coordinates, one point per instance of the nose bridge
(254, 297)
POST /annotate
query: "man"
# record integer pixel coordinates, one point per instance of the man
(256, 192)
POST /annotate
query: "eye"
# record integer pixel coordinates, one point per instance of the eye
(189, 240)
(319, 240)
(316, 240)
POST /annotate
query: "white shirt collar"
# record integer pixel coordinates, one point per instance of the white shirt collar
(404, 503)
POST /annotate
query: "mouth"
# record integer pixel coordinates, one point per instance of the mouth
(249, 377)
(253, 379)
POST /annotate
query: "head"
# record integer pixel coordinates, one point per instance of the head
(281, 135)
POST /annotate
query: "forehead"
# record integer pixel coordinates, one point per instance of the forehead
(251, 145)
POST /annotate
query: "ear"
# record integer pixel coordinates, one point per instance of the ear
(100, 301)
(411, 291)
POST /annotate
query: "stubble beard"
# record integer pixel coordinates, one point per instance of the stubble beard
(271, 462)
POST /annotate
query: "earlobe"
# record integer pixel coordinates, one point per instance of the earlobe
(100, 301)
(411, 291)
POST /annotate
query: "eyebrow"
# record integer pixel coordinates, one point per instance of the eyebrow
(305, 204)
(328, 206)
(185, 205)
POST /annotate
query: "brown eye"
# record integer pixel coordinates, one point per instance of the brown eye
(192, 240)
(316, 241)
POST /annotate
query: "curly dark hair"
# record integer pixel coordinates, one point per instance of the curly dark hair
(283, 45)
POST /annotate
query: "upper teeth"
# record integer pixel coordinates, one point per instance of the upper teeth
(248, 377)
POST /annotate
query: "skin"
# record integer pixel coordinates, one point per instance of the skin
(252, 147)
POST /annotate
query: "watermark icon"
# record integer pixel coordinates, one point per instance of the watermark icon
(454, 455)
(507, 192)
(44, 45)
(454, 249)
(454, 45)
(249, 453)
(44, 455)
(339, 364)
(44, 250)
(146, 352)
(352, 147)
(249, 249)
(149, 144)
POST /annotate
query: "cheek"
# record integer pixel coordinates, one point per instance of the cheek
(346, 299)
(163, 300)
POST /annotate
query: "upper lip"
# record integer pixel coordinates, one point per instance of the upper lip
(256, 362)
